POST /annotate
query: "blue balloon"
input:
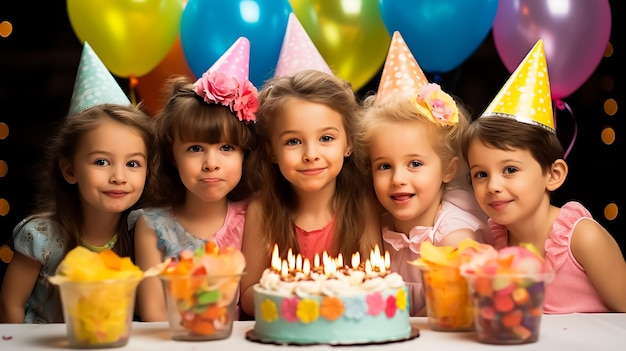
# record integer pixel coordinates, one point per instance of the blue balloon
(210, 27)
(440, 33)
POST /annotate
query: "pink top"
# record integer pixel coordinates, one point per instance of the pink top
(571, 291)
(458, 210)
(316, 241)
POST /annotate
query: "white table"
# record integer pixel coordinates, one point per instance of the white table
(569, 332)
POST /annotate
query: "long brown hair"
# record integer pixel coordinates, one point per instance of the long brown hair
(187, 117)
(275, 193)
(60, 201)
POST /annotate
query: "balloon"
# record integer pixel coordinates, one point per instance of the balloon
(574, 32)
(352, 39)
(210, 27)
(150, 86)
(130, 37)
(441, 34)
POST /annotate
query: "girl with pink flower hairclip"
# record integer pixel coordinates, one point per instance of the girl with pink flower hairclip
(408, 142)
(204, 136)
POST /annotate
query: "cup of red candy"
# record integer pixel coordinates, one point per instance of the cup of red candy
(507, 289)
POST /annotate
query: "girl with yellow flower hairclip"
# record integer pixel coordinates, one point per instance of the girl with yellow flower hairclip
(408, 142)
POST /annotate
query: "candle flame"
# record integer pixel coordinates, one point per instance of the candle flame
(275, 263)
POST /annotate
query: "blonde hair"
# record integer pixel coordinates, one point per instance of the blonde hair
(446, 138)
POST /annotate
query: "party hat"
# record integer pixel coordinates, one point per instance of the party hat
(94, 84)
(525, 97)
(401, 73)
(298, 53)
(235, 62)
(216, 86)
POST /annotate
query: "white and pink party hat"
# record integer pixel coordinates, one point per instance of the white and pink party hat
(298, 53)
(235, 62)
(226, 82)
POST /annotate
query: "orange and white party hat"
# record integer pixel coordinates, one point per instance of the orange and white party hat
(298, 53)
(94, 84)
(402, 75)
(525, 97)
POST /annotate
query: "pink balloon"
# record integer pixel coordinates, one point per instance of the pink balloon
(574, 32)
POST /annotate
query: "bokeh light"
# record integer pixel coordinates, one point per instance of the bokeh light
(608, 136)
(610, 211)
(6, 28)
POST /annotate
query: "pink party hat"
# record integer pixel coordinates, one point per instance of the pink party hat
(402, 75)
(226, 82)
(235, 62)
(298, 53)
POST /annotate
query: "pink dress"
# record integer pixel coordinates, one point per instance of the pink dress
(316, 241)
(458, 210)
(571, 291)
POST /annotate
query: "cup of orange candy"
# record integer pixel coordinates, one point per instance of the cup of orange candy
(98, 296)
(202, 291)
(507, 289)
(448, 304)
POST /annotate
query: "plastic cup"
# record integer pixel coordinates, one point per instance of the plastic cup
(508, 307)
(201, 307)
(98, 314)
(448, 304)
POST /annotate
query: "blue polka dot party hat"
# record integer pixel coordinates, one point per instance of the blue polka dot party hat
(94, 84)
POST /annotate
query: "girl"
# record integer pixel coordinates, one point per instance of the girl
(409, 144)
(312, 197)
(516, 162)
(204, 139)
(412, 157)
(97, 167)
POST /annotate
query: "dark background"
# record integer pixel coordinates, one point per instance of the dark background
(38, 64)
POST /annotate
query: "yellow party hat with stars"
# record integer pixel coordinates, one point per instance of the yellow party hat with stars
(525, 97)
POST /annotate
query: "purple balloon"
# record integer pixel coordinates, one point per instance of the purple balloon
(574, 32)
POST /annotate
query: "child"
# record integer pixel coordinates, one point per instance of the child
(312, 197)
(96, 170)
(516, 162)
(409, 139)
(204, 138)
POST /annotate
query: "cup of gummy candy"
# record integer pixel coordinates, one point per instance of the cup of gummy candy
(507, 291)
(201, 292)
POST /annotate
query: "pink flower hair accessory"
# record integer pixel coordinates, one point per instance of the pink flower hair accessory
(436, 104)
(226, 82)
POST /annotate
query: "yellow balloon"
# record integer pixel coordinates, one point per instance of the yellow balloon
(350, 35)
(131, 37)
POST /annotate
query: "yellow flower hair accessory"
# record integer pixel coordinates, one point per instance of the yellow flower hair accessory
(437, 105)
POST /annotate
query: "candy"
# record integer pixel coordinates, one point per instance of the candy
(509, 313)
(201, 290)
(98, 295)
(448, 304)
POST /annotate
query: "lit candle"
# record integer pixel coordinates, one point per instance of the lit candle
(356, 260)
(299, 262)
(340, 260)
(306, 267)
(284, 272)
(316, 261)
(275, 259)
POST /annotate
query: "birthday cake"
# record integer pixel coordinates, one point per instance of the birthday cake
(330, 303)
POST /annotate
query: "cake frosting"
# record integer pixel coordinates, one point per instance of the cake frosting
(331, 303)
